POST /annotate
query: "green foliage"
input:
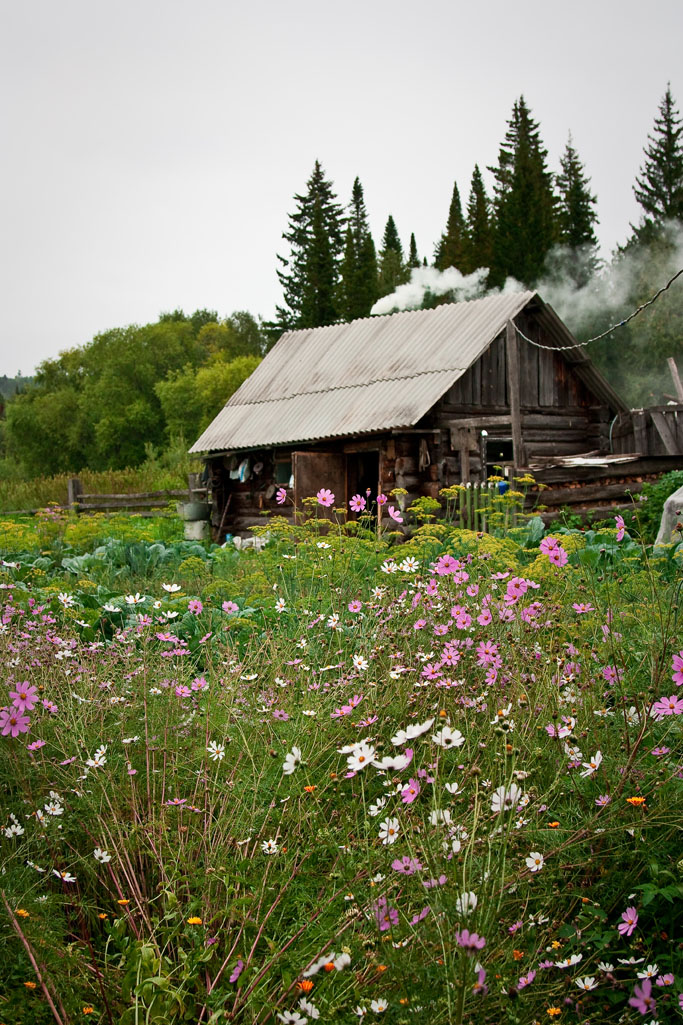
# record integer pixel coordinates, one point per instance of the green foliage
(659, 186)
(451, 247)
(479, 226)
(358, 280)
(191, 398)
(310, 274)
(577, 218)
(392, 268)
(525, 204)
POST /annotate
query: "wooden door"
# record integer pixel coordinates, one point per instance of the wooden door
(316, 470)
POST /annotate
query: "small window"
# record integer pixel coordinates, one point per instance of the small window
(283, 472)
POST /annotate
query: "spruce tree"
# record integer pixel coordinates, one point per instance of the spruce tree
(478, 226)
(450, 249)
(659, 186)
(576, 219)
(524, 202)
(413, 259)
(392, 269)
(309, 276)
(358, 284)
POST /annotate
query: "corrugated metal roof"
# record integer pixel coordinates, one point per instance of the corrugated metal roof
(370, 375)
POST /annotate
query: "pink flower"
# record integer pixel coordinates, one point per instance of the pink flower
(237, 970)
(668, 706)
(355, 605)
(471, 941)
(548, 544)
(581, 607)
(410, 791)
(325, 497)
(558, 556)
(25, 697)
(526, 980)
(357, 503)
(621, 527)
(406, 866)
(642, 998)
(446, 564)
(280, 498)
(12, 722)
(630, 921)
(395, 514)
(230, 606)
(195, 606)
(385, 916)
(677, 666)
(381, 499)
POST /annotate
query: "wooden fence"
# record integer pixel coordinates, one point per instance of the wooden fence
(142, 503)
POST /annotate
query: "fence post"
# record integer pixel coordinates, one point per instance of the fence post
(74, 490)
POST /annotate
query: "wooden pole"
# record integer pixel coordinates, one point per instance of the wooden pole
(512, 366)
(676, 378)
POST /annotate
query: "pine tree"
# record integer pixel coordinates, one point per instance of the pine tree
(478, 227)
(450, 249)
(358, 284)
(413, 259)
(392, 269)
(659, 186)
(524, 202)
(576, 219)
(310, 274)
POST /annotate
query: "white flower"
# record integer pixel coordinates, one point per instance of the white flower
(591, 766)
(100, 855)
(440, 816)
(66, 600)
(269, 847)
(98, 759)
(308, 711)
(535, 861)
(410, 565)
(309, 1008)
(377, 807)
(134, 599)
(359, 663)
(388, 831)
(292, 1018)
(649, 972)
(322, 544)
(389, 567)
(171, 588)
(280, 605)
(170, 614)
(129, 740)
(397, 764)
(110, 607)
(587, 982)
(452, 788)
(292, 761)
(15, 829)
(361, 755)
(569, 961)
(411, 731)
(66, 877)
(54, 808)
(466, 902)
(447, 738)
(216, 751)
(378, 1006)
(504, 798)
(605, 966)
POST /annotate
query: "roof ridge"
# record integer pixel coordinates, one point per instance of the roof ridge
(342, 387)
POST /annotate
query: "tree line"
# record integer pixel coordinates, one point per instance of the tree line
(132, 390)
(537, 226)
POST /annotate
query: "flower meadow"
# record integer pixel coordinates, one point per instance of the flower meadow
(342, 778)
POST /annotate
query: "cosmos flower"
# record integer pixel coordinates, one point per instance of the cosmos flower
(629, 922)
(357, 503)
(535, 861)
(447, 738)
(505, 798)
(292, 761)
(325, 497)
(281, 496)
(388, 831)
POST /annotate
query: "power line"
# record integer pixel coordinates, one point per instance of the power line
(596, 338)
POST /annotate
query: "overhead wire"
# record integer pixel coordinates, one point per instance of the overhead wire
(596, 338)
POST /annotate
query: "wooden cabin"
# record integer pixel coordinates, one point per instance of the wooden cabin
(416, 400)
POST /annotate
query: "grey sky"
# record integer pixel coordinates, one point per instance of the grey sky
(152, 149)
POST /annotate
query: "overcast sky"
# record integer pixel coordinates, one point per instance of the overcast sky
(152, 148)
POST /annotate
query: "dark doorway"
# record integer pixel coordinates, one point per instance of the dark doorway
(362, 475)
(498, 456)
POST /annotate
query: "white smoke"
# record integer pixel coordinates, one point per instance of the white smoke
(425, 280)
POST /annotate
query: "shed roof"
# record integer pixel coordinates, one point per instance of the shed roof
(369, 375)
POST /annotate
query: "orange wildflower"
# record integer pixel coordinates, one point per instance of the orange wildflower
(553, 825)
(22, 912)
(306, 985)
(310, 789)
(636, 801)
(329, 967)
(518, 954)
(194, 920)
(552, 1011)
(123, 902)
(102, 915)
(30, 985)
(88, 1010)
